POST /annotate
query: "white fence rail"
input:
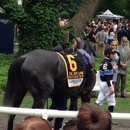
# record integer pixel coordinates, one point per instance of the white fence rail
(96, 87)
(45, 113)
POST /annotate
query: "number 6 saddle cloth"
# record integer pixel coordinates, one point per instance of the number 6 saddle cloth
(74, 69)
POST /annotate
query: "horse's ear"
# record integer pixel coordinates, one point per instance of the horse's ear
(78, 43)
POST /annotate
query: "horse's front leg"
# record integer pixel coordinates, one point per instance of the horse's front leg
(73, 103)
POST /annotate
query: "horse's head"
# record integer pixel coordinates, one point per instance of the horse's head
(83, 44)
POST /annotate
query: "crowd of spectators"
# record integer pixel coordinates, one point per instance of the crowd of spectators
(101, 34)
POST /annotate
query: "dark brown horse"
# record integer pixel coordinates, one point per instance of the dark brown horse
(40, 72)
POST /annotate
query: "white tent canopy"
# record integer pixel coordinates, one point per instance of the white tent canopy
(109, 15)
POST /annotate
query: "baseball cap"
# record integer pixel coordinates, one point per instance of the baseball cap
(58, 49)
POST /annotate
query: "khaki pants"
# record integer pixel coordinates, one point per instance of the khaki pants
(100, 49)
(94, 46)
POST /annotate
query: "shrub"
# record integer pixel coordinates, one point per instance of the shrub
(5, 61)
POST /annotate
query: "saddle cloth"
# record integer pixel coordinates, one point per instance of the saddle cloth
(74, 69)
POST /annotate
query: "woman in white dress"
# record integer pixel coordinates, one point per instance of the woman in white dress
(111, 36)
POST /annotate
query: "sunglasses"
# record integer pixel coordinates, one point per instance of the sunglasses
(114, 45)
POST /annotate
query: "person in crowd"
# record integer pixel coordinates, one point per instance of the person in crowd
(115, 62)
(121, 33)
(33, 123)
(90, 117)
(123, 67)
(92, 38)
(128, 30)
(77, 45)
(106, 77)
(115, 26)
(118, 27)
(106, 31)
(102, 38)
(88, 31)
(111, 36)
(62, 23)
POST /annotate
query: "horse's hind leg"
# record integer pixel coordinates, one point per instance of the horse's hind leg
(41, 92)
(39, 100)
(73, 103)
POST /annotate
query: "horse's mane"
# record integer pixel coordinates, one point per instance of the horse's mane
(85, 44)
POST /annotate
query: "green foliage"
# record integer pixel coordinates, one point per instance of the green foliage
(38, 22)
(115, 6)
(120, 104)
(72, 34)
(97, 62)
(68, 8)
(5, 61)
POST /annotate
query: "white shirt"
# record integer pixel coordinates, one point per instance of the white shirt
(111, 35)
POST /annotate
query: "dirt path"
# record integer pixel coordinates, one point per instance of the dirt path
(123, 125)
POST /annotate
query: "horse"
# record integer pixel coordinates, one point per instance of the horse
(40, 72)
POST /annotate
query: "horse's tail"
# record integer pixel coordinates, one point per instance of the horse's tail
(14, 80)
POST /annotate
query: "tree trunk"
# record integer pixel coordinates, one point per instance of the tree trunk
(84, 14)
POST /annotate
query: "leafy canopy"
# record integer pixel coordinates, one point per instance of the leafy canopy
(38, 21)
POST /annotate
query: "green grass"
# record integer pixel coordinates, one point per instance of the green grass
(6, 60)
(122, 105)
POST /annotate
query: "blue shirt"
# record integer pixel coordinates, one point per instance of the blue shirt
(123, 50)
(83, 52)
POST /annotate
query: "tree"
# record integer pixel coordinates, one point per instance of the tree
(84, 14)
(68, 8)
(115, 6)
(38, 21)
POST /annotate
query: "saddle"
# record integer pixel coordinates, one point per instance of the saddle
(75, 68)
